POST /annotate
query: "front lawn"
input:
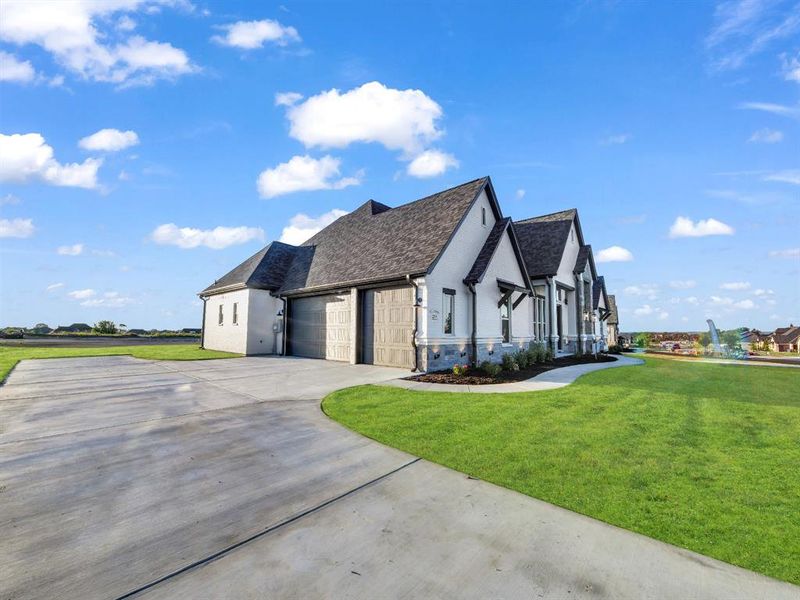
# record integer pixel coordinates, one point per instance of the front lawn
(11, 355)
(704, 456)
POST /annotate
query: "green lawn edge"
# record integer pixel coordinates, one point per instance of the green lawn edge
(702, 456)
(11, 355)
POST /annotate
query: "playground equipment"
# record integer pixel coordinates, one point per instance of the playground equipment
(712, 329)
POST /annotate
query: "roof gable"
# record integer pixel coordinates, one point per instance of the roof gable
(264, 270)
(544, 238)
(490, 246)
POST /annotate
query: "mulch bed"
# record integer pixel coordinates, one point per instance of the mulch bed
(478, 377)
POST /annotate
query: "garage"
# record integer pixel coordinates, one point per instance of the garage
(388, 327)
(319, 327)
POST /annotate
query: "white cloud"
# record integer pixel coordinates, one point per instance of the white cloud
(787, 253)
(14, 70)
(220, 237)
(682, 284)
(54, 286)
(287, 98)
(73, 250)
(109, 140)
(82, 37)
(81, 294)
(614, 254)
(249, 35)
(109, 300)
(616, 139)
(743, 28)
(520, 194)
(735, 285)
(663, 315)
(125, 23)
(16, 228)
(9, 199)
(646, 310)
(684, 227)
(693, 300)
(762, 292)
(649, 290)
(791, 176)
(304, 173)
(791, 68)
(431, 163)
(782, 110)
(744, 304)
(731, 303)
(766, 136)
(398, 119)
(302, 227)
(26, 156)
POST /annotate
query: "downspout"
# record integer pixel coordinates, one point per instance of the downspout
(285, 323)
(416, 319)
(203, 328)
(474, 336)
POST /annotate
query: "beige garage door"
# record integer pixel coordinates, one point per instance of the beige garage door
(388, 325)
(320, 327)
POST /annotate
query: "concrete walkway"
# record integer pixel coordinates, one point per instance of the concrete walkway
(223, 479)
(550, 380)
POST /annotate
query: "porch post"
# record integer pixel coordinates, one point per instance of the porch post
(579, 300)
(551, 309)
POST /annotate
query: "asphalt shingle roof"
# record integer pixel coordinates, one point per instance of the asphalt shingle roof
(786, 335)
(597, 289)
(487, 251)
(376, 242)
(582, 258)
(542, 241)
(612, 308)
(264, 270)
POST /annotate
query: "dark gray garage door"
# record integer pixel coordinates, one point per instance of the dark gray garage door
(320, 327)
(388, 325)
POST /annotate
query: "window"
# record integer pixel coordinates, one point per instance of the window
(448, 310)
(505, 321)
(538, 318)
(235, 313)
(483, 216)
(220, 314)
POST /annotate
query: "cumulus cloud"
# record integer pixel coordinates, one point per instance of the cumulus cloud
(685, 227)
(614, 254)
(25, 157)
(682, 284)
(73, 250)
(109, 300)
(9, 199)
(109, 140)
(287, 98)
(304, 173)
(791, 67)
(520, 194)
(791, 176)
(730, 303)
(14, 70)
(16, 228)
(405, 120)
(762, 292)
(735, 285)
(647, 310)
(649, 290)
(301, 227)
(249, 35)
(81, 294)
(218, 238)
(787, 253)
(83, 39)
(431, 163)
(766, 136)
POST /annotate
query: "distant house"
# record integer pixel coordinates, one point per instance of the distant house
(191, 330)
(74, 328)
(443, 280)
(785, 339)
(753, 339)
(137, 331)
(613, 322)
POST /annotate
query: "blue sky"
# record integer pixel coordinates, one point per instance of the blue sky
(149, 147)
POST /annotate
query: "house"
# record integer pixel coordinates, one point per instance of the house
(753, 339)
(785, 339)
(563, 275)
(424, 286)
(612, 337)
(74, 328)
(440, 281)
(601, 313)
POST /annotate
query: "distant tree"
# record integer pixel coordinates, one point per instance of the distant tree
(41, 328)
(642, 340)
(731, 338)
(105, 327)
(704, 339)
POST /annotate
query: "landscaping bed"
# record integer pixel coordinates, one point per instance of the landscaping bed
(480, 377)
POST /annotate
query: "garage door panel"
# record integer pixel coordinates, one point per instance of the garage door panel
(388, 325)
(320, 327)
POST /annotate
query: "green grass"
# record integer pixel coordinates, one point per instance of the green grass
(11, 355)
(704, 456)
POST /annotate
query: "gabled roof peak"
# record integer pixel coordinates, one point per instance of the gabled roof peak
(561, 215)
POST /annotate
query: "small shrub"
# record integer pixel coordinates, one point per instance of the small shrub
(490, 368)
(460, 369)
(537, 352)
(615, 349)
(548, 355)
(523, 359)
(509, 364)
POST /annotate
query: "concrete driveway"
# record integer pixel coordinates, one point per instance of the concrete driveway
(223, 479)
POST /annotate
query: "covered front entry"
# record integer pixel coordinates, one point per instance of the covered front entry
(388, 327)
(319, 327)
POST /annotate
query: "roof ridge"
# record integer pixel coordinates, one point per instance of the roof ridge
(466, 183)
(533, 219)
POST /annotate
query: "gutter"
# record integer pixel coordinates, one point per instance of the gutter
(284, 337)
(416, 319)
(473, 336)
(203, 328)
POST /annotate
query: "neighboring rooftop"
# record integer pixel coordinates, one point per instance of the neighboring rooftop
(542, 240)
(487, 251)
(613, 319)
(265, 270)
(598, 287)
